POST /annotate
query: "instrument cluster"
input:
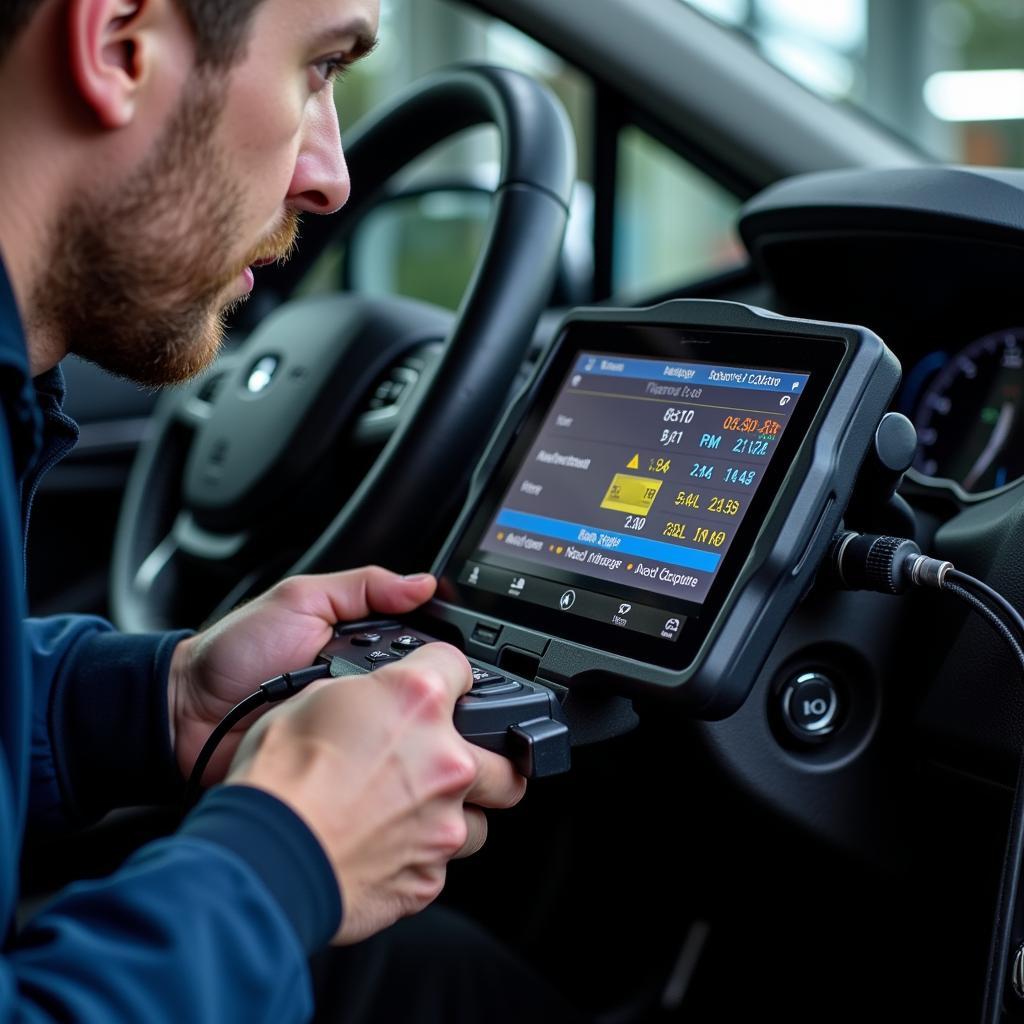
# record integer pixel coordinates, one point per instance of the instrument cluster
(968, 410)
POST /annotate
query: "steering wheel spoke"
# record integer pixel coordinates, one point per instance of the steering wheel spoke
(194, 572)
(186, 542)
(154, 566)
(192, 412)
(195, 542)
(194, 403)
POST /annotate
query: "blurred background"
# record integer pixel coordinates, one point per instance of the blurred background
(947, 75)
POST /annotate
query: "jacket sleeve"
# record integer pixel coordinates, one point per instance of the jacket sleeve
(100, 730)
(213, 924)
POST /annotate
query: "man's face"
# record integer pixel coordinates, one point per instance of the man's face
(142, 272)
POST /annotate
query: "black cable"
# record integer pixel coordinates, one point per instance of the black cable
(989, 614)
(270, 692)
(1000, 951)
(985, 592)
(890, 565)
(226, 724)
(975, 592)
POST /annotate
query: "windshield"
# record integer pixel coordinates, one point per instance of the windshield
(947, 74)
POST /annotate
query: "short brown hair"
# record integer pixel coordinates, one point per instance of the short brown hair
(221, 27)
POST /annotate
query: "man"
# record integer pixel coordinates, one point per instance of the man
(152, 152)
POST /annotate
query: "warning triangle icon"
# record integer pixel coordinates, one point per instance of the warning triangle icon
(634, 463)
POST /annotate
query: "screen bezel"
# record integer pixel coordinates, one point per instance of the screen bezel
(819, 356)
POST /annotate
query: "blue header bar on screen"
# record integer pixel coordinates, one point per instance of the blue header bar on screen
(692, 373)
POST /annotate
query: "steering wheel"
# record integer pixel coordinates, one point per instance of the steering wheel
(244, 465)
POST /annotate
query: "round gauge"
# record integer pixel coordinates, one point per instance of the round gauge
(970, 420)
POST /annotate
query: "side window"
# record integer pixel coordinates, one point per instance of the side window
(673, 224)
(424, 243)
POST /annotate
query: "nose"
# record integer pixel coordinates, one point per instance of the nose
(320, 183)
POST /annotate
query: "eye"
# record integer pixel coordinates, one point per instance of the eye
(329, 70)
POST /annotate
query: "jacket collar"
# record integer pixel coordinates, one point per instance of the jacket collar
(17, 392)
(13, 354)
(33, 407)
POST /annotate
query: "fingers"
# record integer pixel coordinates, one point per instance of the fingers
(498, 785)
(433, 666)
(476, 822)
(379, 590)
(357, 593)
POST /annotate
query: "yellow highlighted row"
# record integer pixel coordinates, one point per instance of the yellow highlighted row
(632, 494)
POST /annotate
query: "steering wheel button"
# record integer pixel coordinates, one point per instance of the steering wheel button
(406, 643)
(366, 639)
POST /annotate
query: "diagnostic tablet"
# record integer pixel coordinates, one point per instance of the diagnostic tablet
(653, 508)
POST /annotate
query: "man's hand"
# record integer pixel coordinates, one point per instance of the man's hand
(375, 767)
(283, 630)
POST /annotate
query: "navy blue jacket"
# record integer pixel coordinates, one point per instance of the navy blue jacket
(212, 924)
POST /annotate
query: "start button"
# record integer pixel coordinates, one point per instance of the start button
(810, 706)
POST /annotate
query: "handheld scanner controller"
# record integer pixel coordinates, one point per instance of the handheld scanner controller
(511, 716)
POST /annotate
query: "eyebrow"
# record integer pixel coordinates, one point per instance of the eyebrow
(365, 40)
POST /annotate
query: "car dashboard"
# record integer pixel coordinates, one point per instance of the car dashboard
(931, 259)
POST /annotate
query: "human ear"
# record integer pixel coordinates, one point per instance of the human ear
(109, 50)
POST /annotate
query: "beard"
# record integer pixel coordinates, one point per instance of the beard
(138, 279)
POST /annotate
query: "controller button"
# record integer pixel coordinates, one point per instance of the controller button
(483, 675)
(376, 658)
(366, 639)
(496, 689)
(406, 643)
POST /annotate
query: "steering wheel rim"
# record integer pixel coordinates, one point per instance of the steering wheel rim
(455, 409)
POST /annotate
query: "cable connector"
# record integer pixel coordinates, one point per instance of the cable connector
(287, 684)
(930, 572)
(865, 561)
(887, 565)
